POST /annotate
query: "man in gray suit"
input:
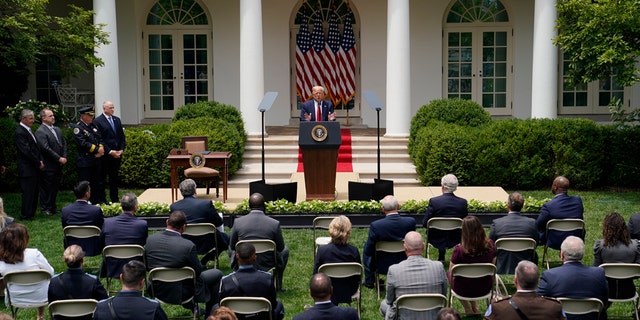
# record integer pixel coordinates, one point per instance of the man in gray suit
(414, 275)
(256, 225)
(54, 155)
(513, 225)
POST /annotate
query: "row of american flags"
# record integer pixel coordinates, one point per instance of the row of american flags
(329, 62)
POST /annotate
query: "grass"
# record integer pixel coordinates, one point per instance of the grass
(46, 235)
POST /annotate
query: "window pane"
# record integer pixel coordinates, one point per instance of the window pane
(466, 54)
(466, 39)
(154, 57)
(501, 100)
(501, 85)
(154, 72)
(453, 85)
(188, 41)
(465, 85)
(155, 87)
(167, 57)
(201, 41)
(581, 99)
(488, 39)
(487, 100)
(201, 56)
(501, 69)
(154, 41)
(167, 43)
(487, 69)
(465, 69)
(487, 85)
(453, 70)
(501, 38)
(454, 39)
(488, 54)
(567, 99)
(454, 55)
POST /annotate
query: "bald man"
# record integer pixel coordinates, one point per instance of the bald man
(562, 206)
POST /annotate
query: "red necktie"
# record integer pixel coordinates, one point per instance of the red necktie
(319, 112)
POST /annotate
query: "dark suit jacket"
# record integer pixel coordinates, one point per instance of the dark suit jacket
(634, 226)
(130, 305)
(110, 139)
(568, 280)
(447, 205)
(76, 284)
(201, 211)
(328, 311)
(51, 148)
(310, 107)
(513, 225)
(532, 305)
(562, 206)
(169, 249)
(29, 155)
(122, 229)
(343, 288)
(251, 283)
(81, 213)
(393, 227)
(257, 225)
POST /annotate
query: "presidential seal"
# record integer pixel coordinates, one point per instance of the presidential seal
(319, 133)
(197, 160)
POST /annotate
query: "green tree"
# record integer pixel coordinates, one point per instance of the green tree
(600, 37)
(28, 33)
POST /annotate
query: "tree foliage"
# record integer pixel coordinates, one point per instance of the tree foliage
(600, 37)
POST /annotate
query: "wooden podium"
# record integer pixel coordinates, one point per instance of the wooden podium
(319, 142)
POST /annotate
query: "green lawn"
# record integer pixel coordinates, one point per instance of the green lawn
(46, 235)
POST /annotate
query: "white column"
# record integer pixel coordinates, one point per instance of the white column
(544, 76)
(107, 77)
(398, 103)
(251, 64)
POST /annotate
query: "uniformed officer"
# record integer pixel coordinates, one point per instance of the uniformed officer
(526, 303)
(90, 148)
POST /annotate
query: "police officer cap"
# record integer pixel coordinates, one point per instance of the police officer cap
(86, 109)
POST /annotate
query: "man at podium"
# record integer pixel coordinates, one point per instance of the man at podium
(317, 108)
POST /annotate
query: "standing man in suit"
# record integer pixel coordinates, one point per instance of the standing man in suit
(320, 289)
(562, 206)
(248, 281)
(81, 213)
(90, 149)
(201, 211)
(113, 139)
(392, 227)
(30, 164)
(414, 275)
(513, 225)
(533, 306)
(256, 225)
(169, 249)
(574, 280)
(317, 108)
(448, 205)
(54, 154)
(123, 229)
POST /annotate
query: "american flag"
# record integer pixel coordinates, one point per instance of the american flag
(304, 64)
(317, 48)
(329, 54)
(347, 62)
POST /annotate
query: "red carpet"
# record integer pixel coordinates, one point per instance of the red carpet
(344, 154)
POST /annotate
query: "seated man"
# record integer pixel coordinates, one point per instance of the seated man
(82, 213)
(250, 282)
(513, 225)
(414, 275)
(201, 211)
(574, 280)
(129, 304)
(562, 206)
(320, 289)
(448, 205)
(169, 249)
(257, 225)
(529, 303)
(392, 227)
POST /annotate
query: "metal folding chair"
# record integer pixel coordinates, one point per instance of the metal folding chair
(197, 230)
(24, 278)
(473, 270)
(445, 224)
(560, 225)
(623, 271)
(581, 306)
(121, 251)
(420, 302)
(72, 308)
(248, 305)
(173, 275)
(341, 270)
(383, 247)
(320, 223)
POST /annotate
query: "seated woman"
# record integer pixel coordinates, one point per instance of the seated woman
(616, 245)
(75, 283)
(15, 256)
(475, 248)
(339, 250)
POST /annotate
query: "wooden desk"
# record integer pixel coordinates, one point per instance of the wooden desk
(213, 159)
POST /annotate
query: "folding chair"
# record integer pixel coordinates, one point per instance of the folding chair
(473, 270)
(581, 306)
(264, 246)
(623, 271)
(172, 275)
(320, 223)
(24, 279)
(444, 224)
(342, 270)
(120, 251)
(200, 231)
(513, 245)
(72, 308)
(420, 302)
(88, 237)
(560, 225)
(248, 305)
(383, 247)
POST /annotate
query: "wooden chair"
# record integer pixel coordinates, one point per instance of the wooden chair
(197, 145)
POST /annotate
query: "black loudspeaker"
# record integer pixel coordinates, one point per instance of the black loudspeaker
(370, 191)
(272, 192)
